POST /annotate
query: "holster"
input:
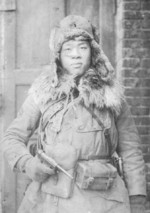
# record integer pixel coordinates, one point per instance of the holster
(59, 184)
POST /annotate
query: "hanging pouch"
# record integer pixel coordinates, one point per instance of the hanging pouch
(59, 185)
(95, 175)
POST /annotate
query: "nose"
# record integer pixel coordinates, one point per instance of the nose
(75, 53)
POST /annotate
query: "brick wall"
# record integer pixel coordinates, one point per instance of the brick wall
(136, 70)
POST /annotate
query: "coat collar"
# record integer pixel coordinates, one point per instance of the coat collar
(92, 91)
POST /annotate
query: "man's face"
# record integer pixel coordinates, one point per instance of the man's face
(75, 57)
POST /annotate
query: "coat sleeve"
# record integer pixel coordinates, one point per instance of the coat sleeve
(16, 137)
(129, 148)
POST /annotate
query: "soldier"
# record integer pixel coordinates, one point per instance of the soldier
(83, 120)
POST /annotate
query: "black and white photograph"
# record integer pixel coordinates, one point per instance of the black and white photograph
(74, 106)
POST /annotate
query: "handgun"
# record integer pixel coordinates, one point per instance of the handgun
(51, 162)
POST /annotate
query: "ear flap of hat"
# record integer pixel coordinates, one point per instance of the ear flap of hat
(54, 81)
(54, 36)
(96, 34)
(107, 63)
(55, 42)
(52, 39)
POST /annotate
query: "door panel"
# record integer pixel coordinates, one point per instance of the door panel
(27, 26)
(86, 8)
(32, 33)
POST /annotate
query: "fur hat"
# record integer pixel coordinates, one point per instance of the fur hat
(76, 26)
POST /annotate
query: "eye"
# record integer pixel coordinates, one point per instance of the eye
(67, 49)
(83, 47)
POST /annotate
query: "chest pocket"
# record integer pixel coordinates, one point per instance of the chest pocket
(92, 135)
(99, 125)
(87, 127)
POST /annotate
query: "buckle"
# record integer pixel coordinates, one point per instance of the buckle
(90, 181)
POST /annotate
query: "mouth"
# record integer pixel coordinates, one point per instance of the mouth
(76, 65)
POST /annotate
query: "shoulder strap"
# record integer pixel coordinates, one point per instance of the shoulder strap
(59, 105)
(95, 117)
(44, 120)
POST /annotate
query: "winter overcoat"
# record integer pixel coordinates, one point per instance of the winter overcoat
(73, 124)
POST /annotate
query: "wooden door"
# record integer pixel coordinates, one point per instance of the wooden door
(26, 28)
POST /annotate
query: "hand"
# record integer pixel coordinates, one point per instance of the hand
(38, 171)
(137, 203)
(64, 154)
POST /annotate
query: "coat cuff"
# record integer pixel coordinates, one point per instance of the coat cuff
(138, 199)
(21, 163)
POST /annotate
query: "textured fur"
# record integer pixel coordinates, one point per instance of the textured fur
(92, 91)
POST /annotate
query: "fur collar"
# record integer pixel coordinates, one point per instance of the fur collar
(92, 90)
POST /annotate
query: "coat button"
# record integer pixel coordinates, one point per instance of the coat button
(81, 127)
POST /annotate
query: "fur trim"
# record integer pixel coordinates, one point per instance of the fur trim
(101, 94)
(92, 90)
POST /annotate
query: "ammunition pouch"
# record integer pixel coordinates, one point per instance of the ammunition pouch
(95, 175)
